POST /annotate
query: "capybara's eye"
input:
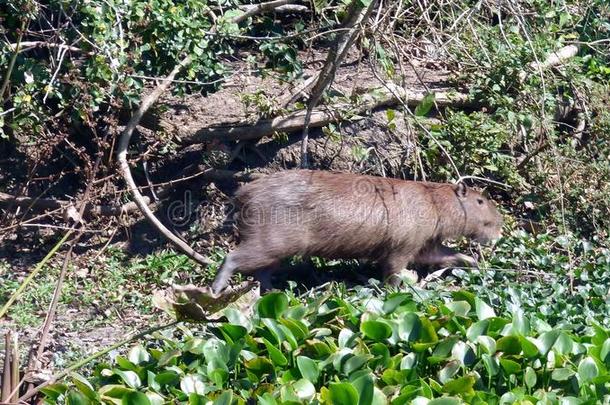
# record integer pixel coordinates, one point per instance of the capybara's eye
(480, 201)
(487, 223)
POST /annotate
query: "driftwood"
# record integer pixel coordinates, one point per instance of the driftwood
(323, 115)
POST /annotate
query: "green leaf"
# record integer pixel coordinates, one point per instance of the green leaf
(308, 368)
(604, 353)
(113, 391)
(138, 355)
(275, 354)
(477, 329)
(530, 378)
(192, 384)
(129, 377)
(530, 350)
(84, 386)
(272, 305)
(510, 366)
(343, 394)
(483, 310)
(76, 398)
(304, 389)
(587, 369)
(409, 327)
(266, 399)
(260, 366)
(376, 330)
(459, 308)
(510, 345)
(428, 333)
(226, 398)
(562, 374)
(135, 398)
(365, 387)
(460, 386)
(491, 365)
(425, 105)
(546, 341)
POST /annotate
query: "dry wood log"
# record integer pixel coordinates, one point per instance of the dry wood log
(554, 59)
(322, 116)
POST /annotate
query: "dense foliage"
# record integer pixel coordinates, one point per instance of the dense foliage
(360, 347)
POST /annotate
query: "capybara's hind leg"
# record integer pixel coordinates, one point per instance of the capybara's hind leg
(264, 276)
(243, 260)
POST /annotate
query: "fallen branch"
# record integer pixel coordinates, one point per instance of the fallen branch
(322, 116)
(288, 8)
(554, 59)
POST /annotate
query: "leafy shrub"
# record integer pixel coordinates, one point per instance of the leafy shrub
(359, 347)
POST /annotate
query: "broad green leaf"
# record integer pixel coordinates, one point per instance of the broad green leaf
(75, 397)
(275, 354)
(226, 398)
(530, 378)
(129, 377)
(604, 353)
(304, 389)
(546, 341)
(376, 330)
(460, 386)
(135, 398)
(487, 343)
(308, 368)
(409, 327)
(562, 374)
(483, 310)
(192, 384)
(563, 344)
(113, 391)
(449, 371)
(587, 369)
(365, 387)
(510, 366)
(266, 399)
(260, 366)
(84, 386)
(521, 324)
(342, 394)
(346, 338)
(477, 329)
(272, 305)
(460, 308)
(491, 365)
(425, 105)
(510, 345)
(530, 350)
(428, 333)
(138, 355)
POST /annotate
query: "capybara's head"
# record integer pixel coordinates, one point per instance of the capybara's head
(483, 222)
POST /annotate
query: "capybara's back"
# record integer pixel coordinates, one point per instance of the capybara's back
(344, 215)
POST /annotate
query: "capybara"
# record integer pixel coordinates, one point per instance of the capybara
(350, 216)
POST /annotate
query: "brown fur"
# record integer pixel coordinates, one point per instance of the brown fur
(344, 215)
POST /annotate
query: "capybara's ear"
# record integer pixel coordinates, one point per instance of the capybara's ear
(461, 190)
